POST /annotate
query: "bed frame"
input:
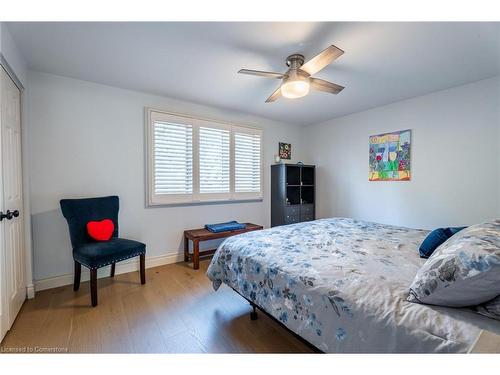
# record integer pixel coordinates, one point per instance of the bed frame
(255, 316)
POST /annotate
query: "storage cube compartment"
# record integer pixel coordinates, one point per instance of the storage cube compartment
(307, 194)
(307, 176)
(292, 175)
(293, 194)
(292, 210)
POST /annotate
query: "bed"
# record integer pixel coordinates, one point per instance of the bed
(341, 285)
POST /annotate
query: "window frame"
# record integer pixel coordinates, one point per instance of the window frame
(196, 198)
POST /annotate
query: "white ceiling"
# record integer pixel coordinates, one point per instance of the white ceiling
(382, 63)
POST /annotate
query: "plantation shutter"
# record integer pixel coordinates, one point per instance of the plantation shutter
(173, 158)
(214, 160)
(192, 160)
(247, 161)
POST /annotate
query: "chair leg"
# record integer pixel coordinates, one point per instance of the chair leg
(93, 286)
(78, 275)
(143, 268)
(113, 269)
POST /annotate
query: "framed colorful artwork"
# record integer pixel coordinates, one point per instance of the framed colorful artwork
(389, 157)
(285, 150)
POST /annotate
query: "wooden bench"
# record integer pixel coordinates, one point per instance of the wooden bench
(202, 234)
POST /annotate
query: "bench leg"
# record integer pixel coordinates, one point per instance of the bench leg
(186, 249)
(113, 269)
(196, 255)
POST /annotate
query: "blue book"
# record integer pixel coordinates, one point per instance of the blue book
(224, 227)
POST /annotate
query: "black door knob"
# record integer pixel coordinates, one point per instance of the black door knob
(15, 213)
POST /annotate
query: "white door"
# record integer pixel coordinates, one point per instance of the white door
(13, 272)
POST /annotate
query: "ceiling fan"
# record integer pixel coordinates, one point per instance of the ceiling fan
(297, 81)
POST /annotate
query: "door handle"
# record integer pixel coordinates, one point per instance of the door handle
(9, 215)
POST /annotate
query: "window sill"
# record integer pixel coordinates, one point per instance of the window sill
(203, 203)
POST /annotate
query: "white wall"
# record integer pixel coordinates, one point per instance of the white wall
(87, 140)
(454, 154)
(11, 53)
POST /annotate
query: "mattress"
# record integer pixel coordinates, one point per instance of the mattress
(341, 284)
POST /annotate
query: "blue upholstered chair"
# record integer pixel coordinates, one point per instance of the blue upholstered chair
(95, 254)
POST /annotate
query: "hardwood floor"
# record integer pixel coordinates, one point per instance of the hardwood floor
(177, 311)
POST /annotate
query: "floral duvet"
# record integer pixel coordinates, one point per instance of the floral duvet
(341, 284)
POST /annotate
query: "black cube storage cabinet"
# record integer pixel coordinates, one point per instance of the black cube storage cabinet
(292, 193)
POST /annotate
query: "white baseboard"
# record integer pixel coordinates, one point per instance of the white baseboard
(30, 291)
(122, 267)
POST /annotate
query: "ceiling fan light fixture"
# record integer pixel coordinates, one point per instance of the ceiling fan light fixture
(293, 89)
(297, 80)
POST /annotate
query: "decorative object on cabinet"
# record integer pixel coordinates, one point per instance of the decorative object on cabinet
(285, 151)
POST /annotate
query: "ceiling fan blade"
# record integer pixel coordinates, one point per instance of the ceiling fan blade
(261, 73)
(274, 96)
(321, 60)
(322, 85)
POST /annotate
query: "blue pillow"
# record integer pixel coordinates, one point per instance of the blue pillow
(455, 230)
(436, 238)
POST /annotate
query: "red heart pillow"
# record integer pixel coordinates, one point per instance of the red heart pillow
(101, 230)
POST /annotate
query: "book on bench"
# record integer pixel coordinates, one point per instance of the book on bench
(224, 227)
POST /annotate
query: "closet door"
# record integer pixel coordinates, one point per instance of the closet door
(13, 273)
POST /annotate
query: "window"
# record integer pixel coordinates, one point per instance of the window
(214, 160)
(195, 160)
(247, 161)
(173, 158)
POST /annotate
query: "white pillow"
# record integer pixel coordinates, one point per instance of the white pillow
(463, 271)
